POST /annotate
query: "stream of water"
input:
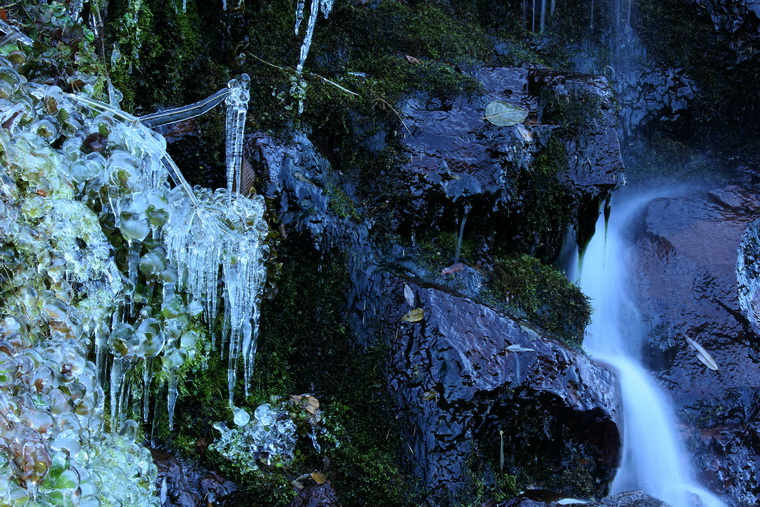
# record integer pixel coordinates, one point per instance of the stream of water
(653, 458)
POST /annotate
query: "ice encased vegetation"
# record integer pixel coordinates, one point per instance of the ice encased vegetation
(102, 259)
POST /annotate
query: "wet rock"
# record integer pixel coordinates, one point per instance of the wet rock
(467, 379)
(686, 258)
(186, 484)
(458, 161)
(632, 499)
(740, 19)
(316, 495)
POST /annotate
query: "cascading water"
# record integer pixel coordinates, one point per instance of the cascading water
(653, 458)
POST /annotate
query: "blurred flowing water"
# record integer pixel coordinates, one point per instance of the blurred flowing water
(653, 458)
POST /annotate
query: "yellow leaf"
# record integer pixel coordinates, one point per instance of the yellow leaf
(318, 477)
(415, 315)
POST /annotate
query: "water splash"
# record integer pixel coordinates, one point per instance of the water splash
(653, 458)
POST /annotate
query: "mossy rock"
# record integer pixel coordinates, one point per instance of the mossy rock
(541, 294)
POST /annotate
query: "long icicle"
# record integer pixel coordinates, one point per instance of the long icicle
(237, 107)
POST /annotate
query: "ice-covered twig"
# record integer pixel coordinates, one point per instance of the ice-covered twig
(178, 114)
(237, 106)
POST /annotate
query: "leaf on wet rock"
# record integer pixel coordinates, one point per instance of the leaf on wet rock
(519, 348)
(318, 477)
(703, 355)
(408, 295)
(415, 315)
(504, 114)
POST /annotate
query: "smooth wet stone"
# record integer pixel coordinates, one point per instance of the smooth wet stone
(686, 258)
(457, 386)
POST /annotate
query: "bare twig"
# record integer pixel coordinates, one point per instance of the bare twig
(342, 88)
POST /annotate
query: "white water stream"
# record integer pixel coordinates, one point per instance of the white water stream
(653, 458)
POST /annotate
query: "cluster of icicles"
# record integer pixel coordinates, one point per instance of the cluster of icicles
(100, 256)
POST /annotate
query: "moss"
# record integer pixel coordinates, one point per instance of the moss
(546, 205)
(542, 295)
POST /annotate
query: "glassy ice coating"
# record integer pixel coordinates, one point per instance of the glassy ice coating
(269, 437)
(93, 246)
(202, 238)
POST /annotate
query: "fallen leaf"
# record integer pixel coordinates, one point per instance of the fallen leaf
(319, 477)
(504, 114)
(454, 268)
(408, 295)
(703, 355)
(3, 15)
(412, 59)
(415, 315)
(526, 135)
(518, 348)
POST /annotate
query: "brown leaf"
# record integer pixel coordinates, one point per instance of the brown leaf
(412, 59)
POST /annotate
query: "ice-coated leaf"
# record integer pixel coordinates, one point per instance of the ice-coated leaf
(408, 295)
(703, 355)
(415, 315)
(504, 114)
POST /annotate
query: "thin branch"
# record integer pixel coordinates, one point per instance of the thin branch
(355, 94)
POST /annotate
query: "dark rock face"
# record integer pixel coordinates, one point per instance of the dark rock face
(459, 161)
(187, 484)
(461, 389)
(541, 498)
(740, 19)
(316, 495)
(687, 258)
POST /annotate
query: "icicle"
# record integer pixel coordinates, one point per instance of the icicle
(116, 384)
(203, 238)
(592, 15)
(460, 236)
(552, 8)
(133, 260)
(299, 14)
(237, 107)
(533, 17)
(313, 437)
(147, 367)
(171, 397)
(306, 44)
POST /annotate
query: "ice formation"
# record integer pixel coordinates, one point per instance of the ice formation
(237, 107)
(269, 437)
(317, 6)
(100, 255)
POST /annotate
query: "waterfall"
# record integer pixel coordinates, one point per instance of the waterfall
(653, 457)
